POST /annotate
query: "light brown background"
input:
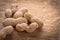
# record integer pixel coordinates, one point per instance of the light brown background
(47, 10)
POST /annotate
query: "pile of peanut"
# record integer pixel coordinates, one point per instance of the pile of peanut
(20, 20)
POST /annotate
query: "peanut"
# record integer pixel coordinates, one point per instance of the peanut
(37, 20)
(31, 19)
(8, 13)
(14, 7)
(32, 27)
(21, 27)
(28, 16)
(5, 31)
(20, 13)
(14, 22)
(8, 29)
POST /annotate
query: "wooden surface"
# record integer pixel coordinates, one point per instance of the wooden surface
(47, 10)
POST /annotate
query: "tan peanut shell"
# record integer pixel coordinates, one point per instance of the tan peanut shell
(5, 31)
(37, 20)
(14, 7)
(28, 16)
(8, 21)
(21, 27)
(8, 13)
(14, 22)
(20, 13)
(24, 10)
(8, 29)
(32, 27)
